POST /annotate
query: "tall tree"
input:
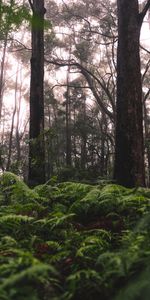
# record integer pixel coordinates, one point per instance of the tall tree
(68, 125)
(36, 145)
(129, 154)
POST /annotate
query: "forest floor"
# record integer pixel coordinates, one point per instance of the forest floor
(73, 241)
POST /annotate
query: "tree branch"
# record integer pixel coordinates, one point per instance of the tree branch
(146, 70)
(31, 4)
(89, 76)
(80, 17)
(144, 12)
(23, 47)
(143, 48)
(70, 86)
(146, 95)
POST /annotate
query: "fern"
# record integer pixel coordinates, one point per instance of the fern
(96, 237)
(71, 191)
(87, 208)
(91, 247)
(137, 289)
(15, 225)
(84, 282)
(44, 190)
(7, 242)
(111, 265)
(36, 275)
(22, 274)
(56, 220)
(31, 273)
(15, 190)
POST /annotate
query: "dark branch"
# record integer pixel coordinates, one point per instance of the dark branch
(70, 86)
(144, 12)
(91, 31)
(89, 77)
(143, 48)
(146, 96)
(23, 47)
(146, 70)
(31, 5)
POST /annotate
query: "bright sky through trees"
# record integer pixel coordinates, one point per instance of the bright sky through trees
(58, 75)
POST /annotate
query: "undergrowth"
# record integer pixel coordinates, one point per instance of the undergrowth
(72, 241)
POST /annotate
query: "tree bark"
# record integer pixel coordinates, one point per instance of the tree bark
(36, 145)
(147, 142)
(2, 74)
(68, 129)
(129, 152)
(83, 135)
(12, 124)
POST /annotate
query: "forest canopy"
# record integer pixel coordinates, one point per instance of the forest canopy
(74, 150)
(59, 90)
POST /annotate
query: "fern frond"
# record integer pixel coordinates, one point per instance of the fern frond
(38, 272)
(15, 225)
(137, 288)
(56, 220)
(88, 207)
(15, 190)
(85, 282)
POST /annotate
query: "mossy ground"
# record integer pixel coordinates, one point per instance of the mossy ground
(73, 241)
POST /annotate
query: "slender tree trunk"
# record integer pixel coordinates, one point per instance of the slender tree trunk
(12, 124)
(2, 74)
(129, 154)
(2, 162)
(68, 130)
(83, 137)
(36, 146)
(18, 137)
(103, 128)
(147, 142)
(50, 158)
(74, 138)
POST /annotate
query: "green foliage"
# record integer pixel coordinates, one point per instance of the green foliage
(72, 241)
(64, 193)
(17, 224)
(83, 282)
(12, 16)
(88, 207)
(89, 175)
(73, 191)
(24, 277)
(68, 173)
(14, 190)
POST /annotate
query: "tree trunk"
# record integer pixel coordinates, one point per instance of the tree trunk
(83, 136)
(12, 124)
(36, 146)
(147, 142)
(18, 136)
(2, 74)
(68, 129)
(129, 152)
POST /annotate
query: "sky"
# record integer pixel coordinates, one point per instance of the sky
(145, 34)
